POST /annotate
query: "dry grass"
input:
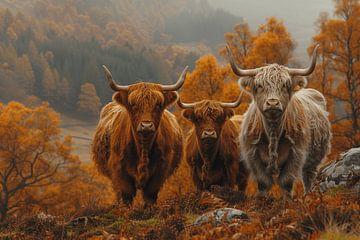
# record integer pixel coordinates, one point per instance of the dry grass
(334, 215)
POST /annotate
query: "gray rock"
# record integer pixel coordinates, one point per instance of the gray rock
(221, 215)
(345, 171)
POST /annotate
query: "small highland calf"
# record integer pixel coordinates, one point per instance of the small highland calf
(285, 132)
(212, 146)
(138, 144)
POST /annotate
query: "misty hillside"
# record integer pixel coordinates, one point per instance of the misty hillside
(148, 21)
(62, 44)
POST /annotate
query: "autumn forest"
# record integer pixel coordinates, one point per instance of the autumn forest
(51, 57)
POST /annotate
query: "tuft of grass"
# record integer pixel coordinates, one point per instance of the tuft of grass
(336, 235)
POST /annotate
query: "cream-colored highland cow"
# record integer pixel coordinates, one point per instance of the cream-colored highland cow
(286, 131)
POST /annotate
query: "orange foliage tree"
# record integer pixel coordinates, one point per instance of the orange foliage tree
(31, 154)
(38, 172)
(209, 80)
(271, 44)
(338, 71)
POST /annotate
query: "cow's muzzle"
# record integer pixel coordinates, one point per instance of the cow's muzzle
(146, 127)
(208, 134)
(273, 108)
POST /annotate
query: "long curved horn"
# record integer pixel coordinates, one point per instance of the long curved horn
(179, 82)
(238, 71)
(308, 70)
(233, 104)
(114, 86)
(185, 105)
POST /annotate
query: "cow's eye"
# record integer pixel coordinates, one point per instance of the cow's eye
(220, 119)
(133, 106)
(259, 88)
(158, 106)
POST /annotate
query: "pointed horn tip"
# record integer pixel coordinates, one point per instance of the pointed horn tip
(106, 71)
(234, 104)
(186, 70)
(184, 105)
(228, 49)
(179, 103)
(316, 49)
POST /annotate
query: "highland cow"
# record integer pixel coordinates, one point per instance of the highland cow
(285, 132)
(138, 144)
(212, 146)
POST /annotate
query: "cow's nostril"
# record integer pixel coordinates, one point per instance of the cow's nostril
(273, 102)
(146, 126)
(208, 134)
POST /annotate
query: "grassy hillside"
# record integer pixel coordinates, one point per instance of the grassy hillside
(334, 215)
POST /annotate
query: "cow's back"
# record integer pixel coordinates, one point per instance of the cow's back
(102, 137)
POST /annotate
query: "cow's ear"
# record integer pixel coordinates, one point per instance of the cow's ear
(246, 83)
(299, 83)
(188, 114)
(228, 113)
(121, 97)
(170, 97)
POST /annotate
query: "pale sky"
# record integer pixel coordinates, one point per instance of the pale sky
(299, 16)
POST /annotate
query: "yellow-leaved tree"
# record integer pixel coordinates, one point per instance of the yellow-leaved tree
(38, 171)
(338, 71)
(271, 44)
(32, 155)
(209, 80)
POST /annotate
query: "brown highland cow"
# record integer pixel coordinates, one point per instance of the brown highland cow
(138, 144)
(285, 131)
(212, 146)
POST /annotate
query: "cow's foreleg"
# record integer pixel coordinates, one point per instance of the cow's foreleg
(242, 177)
(151, 190)
(291, 169)
(258, 169)
(196, 179)
(124, 186)
(232, 169)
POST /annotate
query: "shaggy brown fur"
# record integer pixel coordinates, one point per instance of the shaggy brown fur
(215, 161)
(288, 142)
(132, 160)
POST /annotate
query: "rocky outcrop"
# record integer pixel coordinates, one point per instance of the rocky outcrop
(345, 171)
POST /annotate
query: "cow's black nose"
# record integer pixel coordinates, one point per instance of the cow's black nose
(208, 134)
(146, 126)
(273, 102)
